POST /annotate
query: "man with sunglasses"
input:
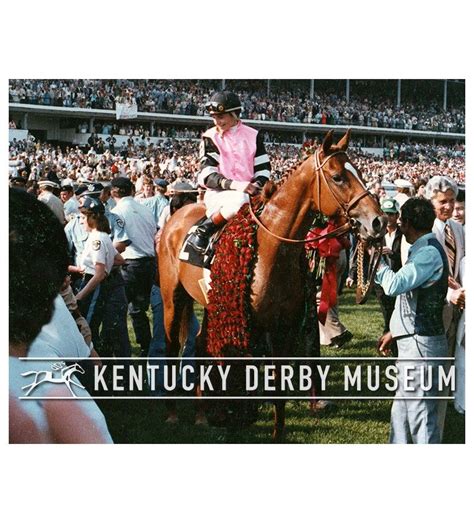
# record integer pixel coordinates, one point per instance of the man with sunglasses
(234, 165)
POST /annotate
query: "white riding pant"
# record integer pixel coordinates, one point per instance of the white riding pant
(227, 203)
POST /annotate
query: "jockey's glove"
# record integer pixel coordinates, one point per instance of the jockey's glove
(249, 188)
(239, 186)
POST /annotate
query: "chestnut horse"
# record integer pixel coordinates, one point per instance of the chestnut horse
(326, 181)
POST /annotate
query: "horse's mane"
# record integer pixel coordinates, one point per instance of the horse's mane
(273, 186)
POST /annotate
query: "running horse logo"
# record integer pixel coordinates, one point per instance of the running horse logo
(42, 376)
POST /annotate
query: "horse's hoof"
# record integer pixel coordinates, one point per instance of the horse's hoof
(278, 436)
(201, 421)
(172, 419)
(322, 408)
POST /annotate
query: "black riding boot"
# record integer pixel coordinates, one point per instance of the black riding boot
(200, 239)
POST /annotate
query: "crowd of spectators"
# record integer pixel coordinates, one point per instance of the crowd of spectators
(173, 159)
(388, 170)
(284, 104)
(139, 130)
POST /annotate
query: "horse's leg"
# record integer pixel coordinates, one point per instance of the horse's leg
(68, 385)
(277, 344)
(200, 415)
(33, 385)
(279, 410)
(71, 380)
(173, 307)
(310, 338)
(30, 387)
(312, 349)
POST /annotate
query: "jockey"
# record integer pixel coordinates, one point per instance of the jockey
(234, 165)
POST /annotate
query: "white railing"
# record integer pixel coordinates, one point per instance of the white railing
(178, 119)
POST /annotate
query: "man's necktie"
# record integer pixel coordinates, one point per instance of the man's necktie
(450, 247)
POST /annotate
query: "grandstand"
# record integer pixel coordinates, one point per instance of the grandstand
(396, 124)
(291, 111)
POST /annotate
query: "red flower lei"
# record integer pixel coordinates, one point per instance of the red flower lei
(229, 323)
(328, 248)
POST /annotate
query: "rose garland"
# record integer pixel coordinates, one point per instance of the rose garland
(229, 324)
(327, 250)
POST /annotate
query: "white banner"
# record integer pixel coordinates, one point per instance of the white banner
(18, 134)
(126, 111)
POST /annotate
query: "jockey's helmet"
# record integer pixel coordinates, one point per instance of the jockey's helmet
(224, 102)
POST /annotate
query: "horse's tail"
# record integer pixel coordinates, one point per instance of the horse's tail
(29, 373)
(186, 314)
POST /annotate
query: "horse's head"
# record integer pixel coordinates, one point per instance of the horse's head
(339, 191)
(77, 368)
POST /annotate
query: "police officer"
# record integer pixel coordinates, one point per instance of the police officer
(18, 182)
(76, 238)
(140, 263)
(114, 337)
(96, 263)
(114, 334)
(234, 165)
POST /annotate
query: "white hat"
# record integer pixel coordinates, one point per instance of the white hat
(401, 183)
(48, 183)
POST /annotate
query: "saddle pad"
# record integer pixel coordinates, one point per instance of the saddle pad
(189, 255)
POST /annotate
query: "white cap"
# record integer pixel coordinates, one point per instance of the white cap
(403, 184)
(48, 183)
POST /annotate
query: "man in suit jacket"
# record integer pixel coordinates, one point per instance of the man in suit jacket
(442, 192)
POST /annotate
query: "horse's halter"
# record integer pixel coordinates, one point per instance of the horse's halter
(319, 172)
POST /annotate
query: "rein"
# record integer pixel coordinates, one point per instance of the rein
(363, 286)
(346, 207)
(333, 234)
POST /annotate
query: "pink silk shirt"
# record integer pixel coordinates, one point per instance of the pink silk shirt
(237, 148)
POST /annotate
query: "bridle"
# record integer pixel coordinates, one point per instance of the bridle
(318, 168)
(344, 206)
(363, 286)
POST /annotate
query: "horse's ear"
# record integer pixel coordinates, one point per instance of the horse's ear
(327, 142)
(344, 141)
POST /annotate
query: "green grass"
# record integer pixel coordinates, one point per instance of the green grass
(363, 421)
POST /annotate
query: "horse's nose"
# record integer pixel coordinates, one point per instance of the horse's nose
(379, 224)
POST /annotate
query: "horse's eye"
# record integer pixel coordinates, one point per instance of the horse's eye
(337, 178)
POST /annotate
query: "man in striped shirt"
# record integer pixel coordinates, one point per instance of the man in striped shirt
(234, 165)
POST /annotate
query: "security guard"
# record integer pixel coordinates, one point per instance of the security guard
(76, 238)
(140, 263)
(96, 263)
(114, 334)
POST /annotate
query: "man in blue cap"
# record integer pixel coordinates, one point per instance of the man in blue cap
(391, 252)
